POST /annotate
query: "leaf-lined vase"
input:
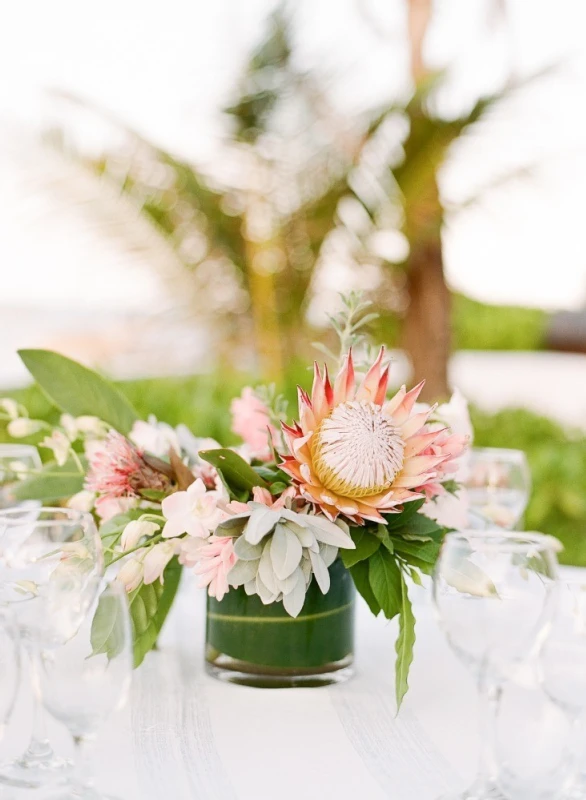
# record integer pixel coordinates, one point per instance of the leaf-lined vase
(261, 645)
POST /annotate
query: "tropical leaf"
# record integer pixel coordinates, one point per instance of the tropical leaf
(366, 546)
(360, 576)
(78, 390)
(404, 645)
(239, 477)
(385, 581)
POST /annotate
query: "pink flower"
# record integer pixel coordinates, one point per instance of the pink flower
(118, 469)
(251, 421)
(194, 511)
(260, 495)
(108, 507)
(215, 559)
(450, 447)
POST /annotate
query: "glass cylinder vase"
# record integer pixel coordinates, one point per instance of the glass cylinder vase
(261, 645)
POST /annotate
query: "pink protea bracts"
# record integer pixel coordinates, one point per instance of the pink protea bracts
(451, 447)
(118, 469)
(357, 454)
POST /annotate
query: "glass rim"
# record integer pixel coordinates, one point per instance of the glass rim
(501, 539)
(495, 451)
(7, 449)
(17, 515)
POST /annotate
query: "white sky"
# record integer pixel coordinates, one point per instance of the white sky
(166, 68)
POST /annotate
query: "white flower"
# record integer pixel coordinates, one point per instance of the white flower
(154, 437)
(69, 425)
(131, 573)
(157, 559)
(91, 426)
(191, 445)
(59, 444)
(10, 406)
(135, 531)
(456, 416)
(194, 511)
(82, 501)
(23, 426)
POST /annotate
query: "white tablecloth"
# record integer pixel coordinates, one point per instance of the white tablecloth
(186, 736)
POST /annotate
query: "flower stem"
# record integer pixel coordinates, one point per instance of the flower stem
(150, 543)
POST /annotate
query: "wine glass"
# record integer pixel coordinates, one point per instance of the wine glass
(563, 673)
(84, 678)
(498, 485)
(494, 592)
(45, 553)
(9, 666)
(17, 461)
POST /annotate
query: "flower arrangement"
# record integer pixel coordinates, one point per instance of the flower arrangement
(352, 480)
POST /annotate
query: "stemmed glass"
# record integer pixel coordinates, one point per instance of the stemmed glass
(85, 677)
(563, 672)
(498, 485)
(494, 592)
(17, 461)
(9, 666)
(45, 553)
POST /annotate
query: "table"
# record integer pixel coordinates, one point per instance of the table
(186, 736)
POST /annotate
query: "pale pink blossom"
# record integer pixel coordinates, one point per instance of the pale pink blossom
(59, 444)
(108, 507)
(448, 447)
(135, 531)
(215, 559)
(251, 421)
(82, 501)
(194, 511)
(132, 571)
(154, 437)
(157, 558)
(260, 495)
(118, 469)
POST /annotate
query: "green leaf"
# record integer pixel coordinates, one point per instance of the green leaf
(149, 606)
(422, 550)
(50, 484)
(404, 645)
(366, 546)
(107, 633)
(399, 520)
(359, 574)
(239, 477)
(385, 580)
(154, 495)
(451, 486)
(419, 527)
(78, 390)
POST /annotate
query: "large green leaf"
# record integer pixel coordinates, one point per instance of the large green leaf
(149, 606)
(239, 477)
(366, 546)
(50, 484)
(78, 390)
(107, 633)
(385, 580)
(359, 573)
(404, 645)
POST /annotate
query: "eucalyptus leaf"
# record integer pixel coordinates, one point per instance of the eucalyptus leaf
(293, 601)
(242, 572)
(286, 551)
(246, 551)
(329, 533)
(78, 390)
(261, 523)
(329, 553)
(266, 571)
(320, 571)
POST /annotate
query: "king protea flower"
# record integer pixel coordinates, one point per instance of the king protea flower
(355, 453)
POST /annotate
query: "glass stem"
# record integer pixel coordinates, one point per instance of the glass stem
(83, 776)
(39, 747)
(489, 695)
(574, 752)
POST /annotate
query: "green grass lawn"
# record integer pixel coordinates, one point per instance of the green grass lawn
(557, 458)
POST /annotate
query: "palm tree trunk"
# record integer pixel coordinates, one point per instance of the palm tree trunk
(426, 328)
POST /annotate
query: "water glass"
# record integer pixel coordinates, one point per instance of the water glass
(84, 678)
(498, 485)
(49, 558)
(494, 593)
(17, 461)
(9, 666)
(563, 672)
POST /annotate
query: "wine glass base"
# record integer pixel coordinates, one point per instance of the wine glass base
(31, 773)
(75, 793)
(478, 791)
